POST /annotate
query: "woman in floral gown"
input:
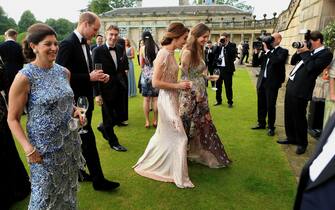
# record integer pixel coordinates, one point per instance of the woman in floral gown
(52, 149)
(165, 158)
(205, 146)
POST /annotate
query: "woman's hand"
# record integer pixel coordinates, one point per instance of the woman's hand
(98, 99)
(34, 156)
(76, 114)
(184, 85)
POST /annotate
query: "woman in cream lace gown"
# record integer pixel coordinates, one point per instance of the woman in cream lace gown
(165, 158)
(205, 146)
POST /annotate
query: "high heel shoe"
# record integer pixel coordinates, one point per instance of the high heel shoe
(147, 125)
(154, 125)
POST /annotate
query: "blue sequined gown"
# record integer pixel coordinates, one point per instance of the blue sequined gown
(54, 182)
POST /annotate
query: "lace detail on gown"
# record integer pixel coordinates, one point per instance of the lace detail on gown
(165, 158)
(54, 182)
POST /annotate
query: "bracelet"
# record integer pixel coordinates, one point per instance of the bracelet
(32, 152)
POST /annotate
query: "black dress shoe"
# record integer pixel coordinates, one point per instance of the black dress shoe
(119, 148)
(105, 185)
(122, 124)
(300, 150)
(285, 141)
(217, 103)
(271, 132)
(102, 130)
(84, 177)
(258, 126)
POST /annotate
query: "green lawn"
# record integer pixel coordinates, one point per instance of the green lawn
(259, 178)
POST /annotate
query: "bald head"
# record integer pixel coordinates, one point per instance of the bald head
(277, 38)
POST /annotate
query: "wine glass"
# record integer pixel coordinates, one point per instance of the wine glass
(215, 77)
(98, 66)
(82, 104)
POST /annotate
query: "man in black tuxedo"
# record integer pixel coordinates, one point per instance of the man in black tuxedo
(317, 180)
(245, 52)
(99, 41)
(12, 56)
(224, 56)
(209, 58)
(74, 54)
(309, 63)
(114, 63)
(270, 78)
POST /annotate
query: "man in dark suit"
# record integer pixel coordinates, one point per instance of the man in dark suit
(317, 180)
(209, 58)
(245, 52)
(12, 56)
(225, 55)
(309, 63)
(270, 78)
(114, 63)
(74, 54)
(99, 41)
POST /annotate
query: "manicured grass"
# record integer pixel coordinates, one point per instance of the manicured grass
(259, 178)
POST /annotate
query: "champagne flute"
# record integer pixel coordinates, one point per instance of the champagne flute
(215, 77)
(97, 66)
(82, 104)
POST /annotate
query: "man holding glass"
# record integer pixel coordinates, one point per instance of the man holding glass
(114, 62)
(74, 54)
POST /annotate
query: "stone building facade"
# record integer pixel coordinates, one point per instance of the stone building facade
(304, 14)
(242, 25)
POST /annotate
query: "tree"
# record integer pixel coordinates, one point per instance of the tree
(63, 27)
(6, 22)
(101, 6)
(236, 3)
(329, 35)
(27, 19)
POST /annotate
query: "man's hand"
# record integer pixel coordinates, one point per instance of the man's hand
(304, 49)
(99, 76)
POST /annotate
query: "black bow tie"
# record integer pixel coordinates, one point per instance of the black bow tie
(111, 48)
(83, 41)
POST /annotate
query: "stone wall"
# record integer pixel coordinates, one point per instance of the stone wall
(304, 14)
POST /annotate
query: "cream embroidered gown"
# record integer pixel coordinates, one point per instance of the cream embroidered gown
(165, 158)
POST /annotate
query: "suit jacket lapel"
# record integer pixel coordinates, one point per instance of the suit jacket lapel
(329, 171)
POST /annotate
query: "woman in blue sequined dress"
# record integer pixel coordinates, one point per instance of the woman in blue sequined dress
(52, 149)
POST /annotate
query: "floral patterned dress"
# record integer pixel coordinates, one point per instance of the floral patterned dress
(53, 182)
(205, 146)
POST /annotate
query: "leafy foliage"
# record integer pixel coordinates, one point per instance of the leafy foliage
(236, 3)
(27, 19)
(101, 6)
(329, 35)
(62, 26)
(6, 22)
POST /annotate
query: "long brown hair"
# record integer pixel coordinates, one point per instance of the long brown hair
(174, 31)
(192, 45)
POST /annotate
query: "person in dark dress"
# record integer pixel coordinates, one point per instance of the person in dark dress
(15, 184)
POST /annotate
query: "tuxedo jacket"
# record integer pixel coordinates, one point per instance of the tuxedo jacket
(71, 56)
(230, 54)
(117, 76)
(12, 56)
(304, 81)
(328, 172)
(209, 56)
(275, 73)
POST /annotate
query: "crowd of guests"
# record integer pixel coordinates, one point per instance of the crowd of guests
(57, 74)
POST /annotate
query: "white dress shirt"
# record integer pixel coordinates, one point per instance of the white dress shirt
(84, 49)
(113, 54)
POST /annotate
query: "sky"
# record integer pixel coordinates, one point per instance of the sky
(69, 9)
